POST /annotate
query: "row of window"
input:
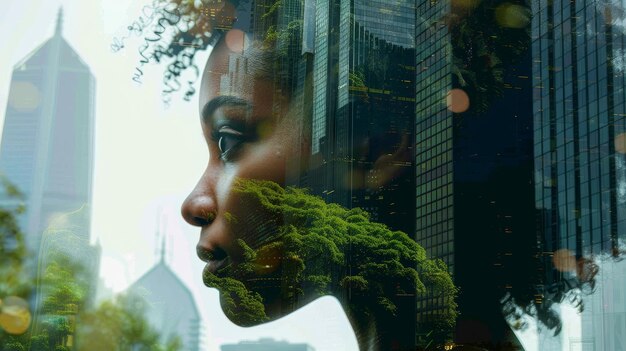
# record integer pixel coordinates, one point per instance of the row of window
(434, 195)
(432, 218)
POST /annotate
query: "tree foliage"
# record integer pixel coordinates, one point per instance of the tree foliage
(15, 283)
(119, 324)
(319, 249)
(61, 294)
(13, 276)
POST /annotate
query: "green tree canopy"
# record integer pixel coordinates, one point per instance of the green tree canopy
(119, 324)
(318, 249)
(13, 277)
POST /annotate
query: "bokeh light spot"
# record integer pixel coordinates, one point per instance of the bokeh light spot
(235, 40)
(457, 101)
(512, 16)
(620, 143)
(14, 315)
(564, 260)
(24, 96)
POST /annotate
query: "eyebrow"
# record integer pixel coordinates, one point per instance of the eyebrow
(219, 101)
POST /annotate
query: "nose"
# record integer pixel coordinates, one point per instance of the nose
(200, 208)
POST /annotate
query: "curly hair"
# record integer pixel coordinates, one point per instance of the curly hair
(175, 31)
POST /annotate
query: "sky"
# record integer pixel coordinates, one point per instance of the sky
(147, 158)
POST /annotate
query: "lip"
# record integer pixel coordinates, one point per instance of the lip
(213, 266)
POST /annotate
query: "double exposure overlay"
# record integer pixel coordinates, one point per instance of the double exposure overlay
(314, 175)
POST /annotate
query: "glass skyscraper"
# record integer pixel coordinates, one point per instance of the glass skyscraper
(363, 107)
(579, 125)
(473, 159)
(580, 174)
(48, 137)
(348, 68)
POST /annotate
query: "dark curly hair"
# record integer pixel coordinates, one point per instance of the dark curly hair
(174, 31)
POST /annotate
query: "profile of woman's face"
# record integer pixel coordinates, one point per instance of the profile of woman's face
(270, 248)
(246, 139)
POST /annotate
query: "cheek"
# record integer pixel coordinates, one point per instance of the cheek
(225, 183)
(266, 161)
(269, 158)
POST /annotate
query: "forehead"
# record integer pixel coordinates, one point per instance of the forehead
(247, 75)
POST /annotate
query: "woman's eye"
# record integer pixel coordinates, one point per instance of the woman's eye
(228, 141)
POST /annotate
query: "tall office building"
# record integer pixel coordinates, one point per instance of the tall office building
(473, 163)
(48, 137)
(362, 111)
(579, 114)
(348, 69)
(580, 174)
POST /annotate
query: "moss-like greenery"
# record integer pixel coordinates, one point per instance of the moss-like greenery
(319, 249)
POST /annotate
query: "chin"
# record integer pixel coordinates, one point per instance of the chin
(254, 308)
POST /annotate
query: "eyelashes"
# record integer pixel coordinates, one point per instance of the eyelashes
(229, 141)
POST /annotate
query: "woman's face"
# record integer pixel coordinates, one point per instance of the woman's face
(246, 139)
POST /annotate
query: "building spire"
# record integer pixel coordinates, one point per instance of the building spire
(59, 27)
(163, 249)
(161, 233)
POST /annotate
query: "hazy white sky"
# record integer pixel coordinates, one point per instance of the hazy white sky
(147, 159)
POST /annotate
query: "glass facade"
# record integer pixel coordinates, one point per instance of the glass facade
(434, 133)
(579, 110)
(433, 149)
(578, 83)
(48, 137)
(363, 94)
(320, 74)
(473, 167)
(363, 116)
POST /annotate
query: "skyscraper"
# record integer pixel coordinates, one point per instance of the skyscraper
(473, 161)
(578, 81)
(579, 113)
(48, 136)
(362, 111)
